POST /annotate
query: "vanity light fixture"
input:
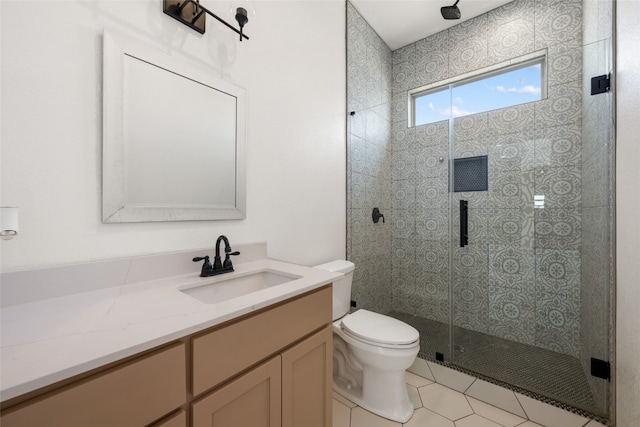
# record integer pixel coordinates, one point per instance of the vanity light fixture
(193, 14)
(451, 12)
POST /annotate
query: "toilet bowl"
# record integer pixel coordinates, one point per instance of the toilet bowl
(371, 352)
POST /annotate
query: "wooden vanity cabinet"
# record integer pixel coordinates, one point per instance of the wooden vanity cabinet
(270, 368)
(136, 393)
(279, 384)
(291, 389)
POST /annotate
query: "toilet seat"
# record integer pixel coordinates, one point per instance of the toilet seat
(379, 330)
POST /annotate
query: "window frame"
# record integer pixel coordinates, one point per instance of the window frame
(525, 61)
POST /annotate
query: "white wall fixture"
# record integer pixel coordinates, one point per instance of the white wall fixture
(9, 222)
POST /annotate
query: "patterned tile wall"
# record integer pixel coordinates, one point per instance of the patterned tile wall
(369, 163)
(519, 276)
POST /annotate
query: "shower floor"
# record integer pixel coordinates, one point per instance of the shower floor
(557, 376)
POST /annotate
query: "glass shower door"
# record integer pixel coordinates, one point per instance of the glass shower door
(529, 306)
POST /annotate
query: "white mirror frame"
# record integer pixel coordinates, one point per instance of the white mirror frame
(114, 197)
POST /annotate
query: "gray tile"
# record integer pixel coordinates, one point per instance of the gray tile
(563, 106)
(558, 25)
(511, 11)
(432, 224)
(511, 227)
(399, 105)
(433, 256)
(431, 161)
(511, 39)
(557, 229)
(431, 67)
(404, 164)
(470, 127)
(558, 271)
(468, 55)
(516, 119)
(558, 323)
(564, 66)
(433, 134)
(403, 77)
(561, 187)
(559, 146)
(512, 267)
(403, 223)
(403, 253)
(472, 28)
(432, 193)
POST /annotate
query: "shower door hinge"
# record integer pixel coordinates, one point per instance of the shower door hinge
(600, 369)
(601, 84)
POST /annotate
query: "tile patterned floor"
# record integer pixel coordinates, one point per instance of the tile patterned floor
(544, 372)
(439, 406)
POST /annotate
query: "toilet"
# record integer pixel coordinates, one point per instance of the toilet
(371, 352)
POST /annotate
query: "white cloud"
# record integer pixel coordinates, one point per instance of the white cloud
(458, 100)
(527, 90)
(458, 112)
(452, 111)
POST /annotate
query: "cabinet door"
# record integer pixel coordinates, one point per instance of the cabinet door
(307, 371)
(253, 400)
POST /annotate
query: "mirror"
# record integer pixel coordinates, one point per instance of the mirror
(173, 139)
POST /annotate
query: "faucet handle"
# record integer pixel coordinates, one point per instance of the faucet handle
(206, 266)
(227, 259)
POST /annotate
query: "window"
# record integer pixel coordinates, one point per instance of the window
(487, 91)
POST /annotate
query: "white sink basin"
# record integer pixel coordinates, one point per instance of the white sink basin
(222, 288)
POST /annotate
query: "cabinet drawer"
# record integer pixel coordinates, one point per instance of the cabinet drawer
(134, 394)
(230, 349)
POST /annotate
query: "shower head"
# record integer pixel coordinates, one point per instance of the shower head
(451, 12)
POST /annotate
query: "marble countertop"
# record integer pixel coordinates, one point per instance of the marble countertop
(47, 341)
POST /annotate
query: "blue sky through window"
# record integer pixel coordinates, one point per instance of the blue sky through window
(498, 91)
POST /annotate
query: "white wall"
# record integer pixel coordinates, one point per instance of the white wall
(628, 206)
(293, 69)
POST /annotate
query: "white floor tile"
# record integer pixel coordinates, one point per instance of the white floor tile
(450, 377)
(341, 414)
(504, 418)
(414, 396)
(593, 423)
(344, 400)
(445, 401)
(476, 420)
(496, 396)
(529, 424)
(416, 380)
(548, 415)
(421, 368)
(362, 418)
(423, 417)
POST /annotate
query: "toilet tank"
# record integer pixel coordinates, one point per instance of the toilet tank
(341, 288)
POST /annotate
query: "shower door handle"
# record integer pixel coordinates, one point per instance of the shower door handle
(464, 223)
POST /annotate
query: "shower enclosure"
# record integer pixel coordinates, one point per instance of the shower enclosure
(497, 243)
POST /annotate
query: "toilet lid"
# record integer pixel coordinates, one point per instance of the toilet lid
(379, 328)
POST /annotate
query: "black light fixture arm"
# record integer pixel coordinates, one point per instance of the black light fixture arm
(178, 10)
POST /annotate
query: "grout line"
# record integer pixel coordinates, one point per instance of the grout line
(520, 403)
(467, 389)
